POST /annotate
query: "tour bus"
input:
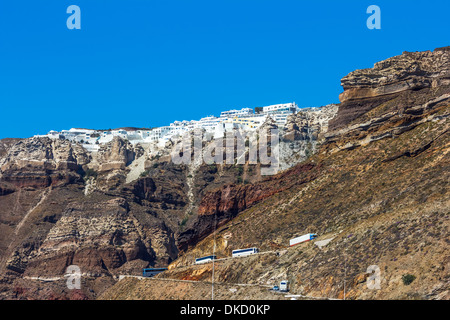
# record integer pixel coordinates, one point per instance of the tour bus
(205, 259)
(150, 272)
(304, 238)
(244, 252)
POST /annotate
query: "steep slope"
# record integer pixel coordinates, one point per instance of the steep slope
(370, 176)
(379, 196)
(116, 210)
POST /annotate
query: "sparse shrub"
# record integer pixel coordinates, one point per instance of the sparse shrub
(144, 174)
(408, 279)
(183, 222)
(212, 168)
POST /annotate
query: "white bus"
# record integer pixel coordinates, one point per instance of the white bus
(150, 272)
(244, 252)
(205, 259)
(304, 238)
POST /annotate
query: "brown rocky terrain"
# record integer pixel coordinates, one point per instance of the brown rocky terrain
(42, 162)
(370, 176)
(379, 196)
(110, 212)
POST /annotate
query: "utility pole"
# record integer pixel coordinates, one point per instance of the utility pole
(212, 282)
(214, 253)
(345, 267)
(345, 271)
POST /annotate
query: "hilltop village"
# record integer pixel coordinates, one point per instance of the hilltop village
(244, 119)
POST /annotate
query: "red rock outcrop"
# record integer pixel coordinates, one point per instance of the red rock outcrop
(220, 206)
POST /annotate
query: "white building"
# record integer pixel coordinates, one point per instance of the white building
(236, 113)
(75, 134)
(208, 123)
(280, 112)
(158, 133)
(243, 119)
(250, 123)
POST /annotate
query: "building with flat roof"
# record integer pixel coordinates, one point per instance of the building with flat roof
(236, 113)
(243, 119)
(280, 112)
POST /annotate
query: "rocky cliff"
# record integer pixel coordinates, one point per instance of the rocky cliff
(408, 75)
(376, 192)
(408, 71)
(42, 162)
(369, 175)
(119, 209)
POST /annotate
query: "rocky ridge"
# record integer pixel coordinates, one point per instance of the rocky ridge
(117, 210)
(379, 196)
(408, 71)
(371, 174)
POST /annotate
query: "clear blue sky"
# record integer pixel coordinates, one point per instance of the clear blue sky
(149, 62)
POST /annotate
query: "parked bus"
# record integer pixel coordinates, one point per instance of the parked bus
(244, 252)
(205, 259)
(306, 237)
(151, 272)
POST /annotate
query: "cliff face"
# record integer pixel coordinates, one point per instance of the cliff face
(6, 144)
(117, 210)
(409, 71)
(376, 192)
(405, 77)
(369, 175)
(310, 124)
(303, 133)
(220, 206)
(98, 236)
(42, 162)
